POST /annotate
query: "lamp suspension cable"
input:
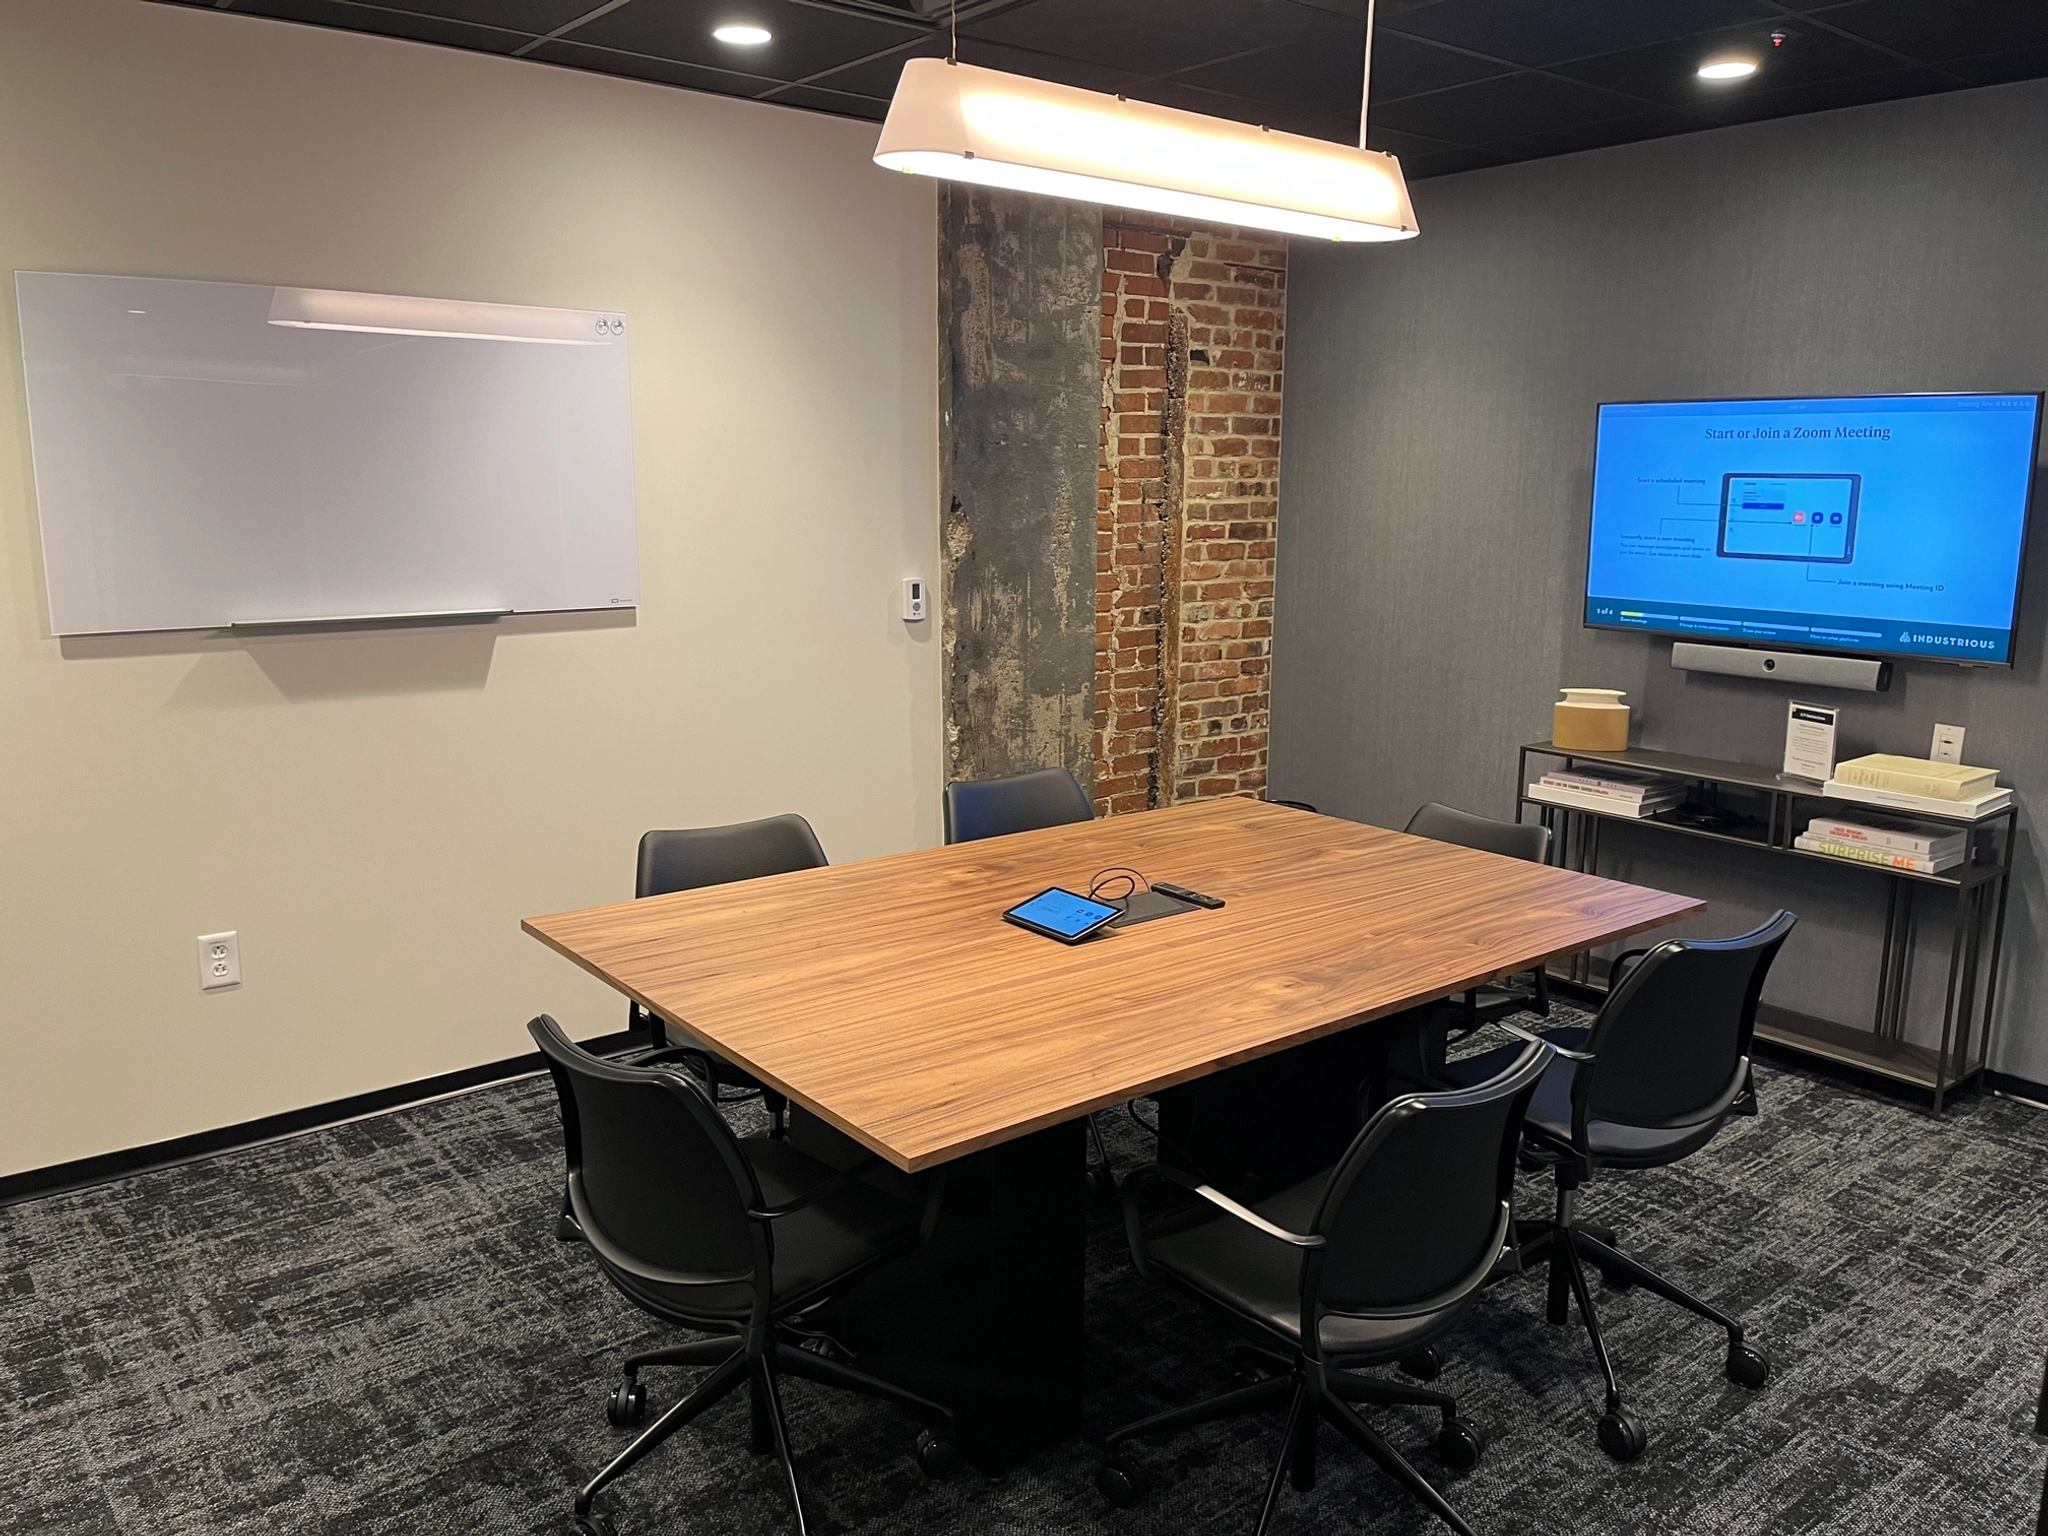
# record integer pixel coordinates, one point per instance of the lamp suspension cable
(1365, 90)
(953, 48)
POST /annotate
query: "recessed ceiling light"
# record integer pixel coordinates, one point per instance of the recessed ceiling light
(1728, 69)
(754, 37)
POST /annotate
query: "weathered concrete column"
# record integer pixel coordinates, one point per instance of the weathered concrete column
(1020, 385)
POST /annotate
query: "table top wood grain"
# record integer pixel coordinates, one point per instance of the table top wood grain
(890, 998)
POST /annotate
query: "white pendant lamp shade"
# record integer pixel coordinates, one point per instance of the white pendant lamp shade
(963, 123)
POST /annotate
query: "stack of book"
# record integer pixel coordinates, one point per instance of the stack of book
(1918, 784)
(1611, 792)
(1883, 841)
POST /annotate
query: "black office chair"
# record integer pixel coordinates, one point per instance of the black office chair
(737, 1238)
(1514, 840)
(1361, 1265)
(1024, 802)
(1663, 1068)
(691, 857)
(2041, 1428)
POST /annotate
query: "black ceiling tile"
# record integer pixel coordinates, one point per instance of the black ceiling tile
(1044, 66)
(1657, 123)
(806, 38)
(1998, 68)
(838, 103)
(386, 21)
(1501, 108)
(1406, 66)
(1827, 95)
(634, 66)
(1932, 33)
(1390, 142)
(1191, 98)
(1549, 31)
(878, 76)
(1149, 38)
(1448, 162)
(1668, 73)
(535, 17)
(1313, 74)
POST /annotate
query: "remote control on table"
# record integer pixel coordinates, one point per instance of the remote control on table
(1182, 893)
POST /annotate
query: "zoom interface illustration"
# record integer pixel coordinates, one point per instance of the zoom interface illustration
(1790, 517)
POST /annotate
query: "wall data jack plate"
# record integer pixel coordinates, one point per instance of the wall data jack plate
(220, 961)
(916, 604)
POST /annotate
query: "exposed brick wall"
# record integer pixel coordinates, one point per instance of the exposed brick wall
(1193, 326)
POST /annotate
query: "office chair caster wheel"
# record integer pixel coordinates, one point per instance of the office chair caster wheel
(627, 1405)
(596, 1525)
(1120, 1482)
(937, 1456)
(1748, 1367)
(1103, 1177)
(1459, 1446)
(566, 1229)
(1622, 1436)
(1617, 1280)
(1424, 1365)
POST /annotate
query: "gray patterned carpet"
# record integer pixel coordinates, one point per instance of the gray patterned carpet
(372, 1329)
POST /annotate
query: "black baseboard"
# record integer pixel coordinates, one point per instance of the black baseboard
(61, 1178)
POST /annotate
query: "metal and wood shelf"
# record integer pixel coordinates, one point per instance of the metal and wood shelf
(1756, 808)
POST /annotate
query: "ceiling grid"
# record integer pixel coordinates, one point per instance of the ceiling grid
(1457, 84)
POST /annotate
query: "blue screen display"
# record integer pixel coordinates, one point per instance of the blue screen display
(1889, 525)
(1064, 912)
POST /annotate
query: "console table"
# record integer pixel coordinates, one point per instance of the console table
(1764, 810)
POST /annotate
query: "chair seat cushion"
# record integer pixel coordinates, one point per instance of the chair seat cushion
(845, 1230)
(1259, 1278)
(1550, 1111)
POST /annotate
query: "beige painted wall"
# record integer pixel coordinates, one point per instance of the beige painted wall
(374, 814)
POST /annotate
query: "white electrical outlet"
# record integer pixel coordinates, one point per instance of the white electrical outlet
(1948, 744)
(914, 599)
(220, 961)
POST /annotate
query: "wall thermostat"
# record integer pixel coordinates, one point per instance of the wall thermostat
(913, 599)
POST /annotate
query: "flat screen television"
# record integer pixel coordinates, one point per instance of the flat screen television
(1883, 525)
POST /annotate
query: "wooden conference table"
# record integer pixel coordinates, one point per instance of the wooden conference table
(890, 1001)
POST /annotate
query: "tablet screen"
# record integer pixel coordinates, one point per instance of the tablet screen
(1063, 912)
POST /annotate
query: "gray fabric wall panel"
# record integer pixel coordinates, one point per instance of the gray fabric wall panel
(1437, 472)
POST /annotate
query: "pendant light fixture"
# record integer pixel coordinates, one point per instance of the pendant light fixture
(959, 122)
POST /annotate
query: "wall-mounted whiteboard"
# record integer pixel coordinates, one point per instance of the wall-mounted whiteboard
(217, 454)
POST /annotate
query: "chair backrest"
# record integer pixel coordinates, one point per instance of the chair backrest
(1671, 1045)
(656, 1179)
(1446, 824)
(1024, 802)
(690, 857)
(1415, 1213)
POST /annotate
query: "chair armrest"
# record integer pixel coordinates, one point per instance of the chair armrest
(777, 1212)
(1614, 966)
(1530, 1035)
(688, 1055)
(1215, 1197)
